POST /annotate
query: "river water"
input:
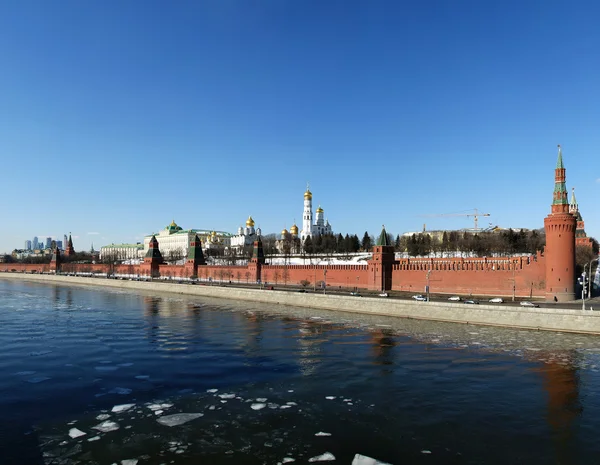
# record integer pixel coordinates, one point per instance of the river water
(96, 376)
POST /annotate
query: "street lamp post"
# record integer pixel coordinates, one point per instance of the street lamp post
(583, 287)
(590, 278)
(427, 288)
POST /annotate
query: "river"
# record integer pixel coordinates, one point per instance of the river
(89, 375)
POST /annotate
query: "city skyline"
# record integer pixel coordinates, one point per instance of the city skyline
(215, 111)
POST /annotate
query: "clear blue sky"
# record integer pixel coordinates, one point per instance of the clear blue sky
(117, 117)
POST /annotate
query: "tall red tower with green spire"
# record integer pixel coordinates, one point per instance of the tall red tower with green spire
(560, 226)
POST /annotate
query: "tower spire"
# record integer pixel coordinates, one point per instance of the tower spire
(560, 203)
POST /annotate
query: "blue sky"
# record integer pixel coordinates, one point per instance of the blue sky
(117, 117)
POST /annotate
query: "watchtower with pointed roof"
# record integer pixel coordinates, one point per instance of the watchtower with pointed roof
(153, 259)
(69, 250)
(55, 261)
(195, 256)
(380, 265)
(560, 226)
(580, 234)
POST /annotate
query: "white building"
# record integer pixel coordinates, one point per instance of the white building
(174, 241)
(320, 226)
(245, 237)
(120, 252)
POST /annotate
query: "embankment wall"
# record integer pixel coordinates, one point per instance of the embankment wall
(552, 319)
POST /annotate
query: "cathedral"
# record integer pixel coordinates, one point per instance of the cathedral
(245, 236)
(319, 227)
(290, 241)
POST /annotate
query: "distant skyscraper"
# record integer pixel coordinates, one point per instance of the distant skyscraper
(48, 242)
(35, 244)
(27, 245)
(59, 244)
(65, 240)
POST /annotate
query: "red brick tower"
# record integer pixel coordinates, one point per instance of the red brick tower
(55, 260)
(580, 234)
(195, 256)
(152, 259)
(257, 260)
(380, 266)
(69, 250)
(560, 226)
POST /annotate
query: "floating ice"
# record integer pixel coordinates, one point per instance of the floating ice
(425, 452)
(227, 396)
(364, 460)
(288, 459)
(326, 457)
(120, 390)
(286, 406)
(95, 438)
(330, 397)
(103, 416)
(178, 418)
(321, 433)
(212, 391)
(290, 390)
(106, 368)
(258, 406)
(75, 433)
(155, 407)
(129, 462)
(121, 408)
(291, 403)
(158, 412)
(261, 399)
(107, 426)
(38, 379)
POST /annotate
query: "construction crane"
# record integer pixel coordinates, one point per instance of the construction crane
(474, 213)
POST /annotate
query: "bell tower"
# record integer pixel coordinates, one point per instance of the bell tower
(560, 226)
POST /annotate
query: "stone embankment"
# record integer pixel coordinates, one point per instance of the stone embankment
(549, 319)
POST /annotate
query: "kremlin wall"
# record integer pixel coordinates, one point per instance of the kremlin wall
(550, 275)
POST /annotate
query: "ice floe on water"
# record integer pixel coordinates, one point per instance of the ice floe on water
(38, 379)
(364, 460)
(326, 457)
(258, 406)
(106, 426)
(321, 433)
(121, 408)
(211, 391)
(120, 390)
(103, 416)
(75, 433)
(178, 418)
(227, 396)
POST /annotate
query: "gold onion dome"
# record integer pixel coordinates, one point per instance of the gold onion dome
(294, 230)
(319, 210)
(284, 232)
(308, 195)
(250, 222)
(213, 234)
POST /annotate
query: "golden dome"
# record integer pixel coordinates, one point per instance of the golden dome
(250, 222)
(308, 195)
(284, 232)
(213, 234)
(319, 210)
(294, 230)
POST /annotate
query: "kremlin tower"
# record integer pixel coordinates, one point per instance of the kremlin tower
(560, 226)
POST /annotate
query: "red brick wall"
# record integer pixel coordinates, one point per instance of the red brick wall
(478, 276)
(337, 275)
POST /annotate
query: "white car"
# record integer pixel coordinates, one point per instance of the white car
(496, 300)
(526, 303)
(419, 298)
(454, 298)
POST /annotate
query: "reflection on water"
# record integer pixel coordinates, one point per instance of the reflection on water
(272, 382)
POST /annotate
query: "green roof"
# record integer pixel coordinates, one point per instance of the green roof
(559, 162)
(383, 237)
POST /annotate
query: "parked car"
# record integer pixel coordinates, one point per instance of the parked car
(526, 303)
(454, 298)
(472, 302)
(496, 300)
(419, 298)
(355, 294)
(384, 294)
